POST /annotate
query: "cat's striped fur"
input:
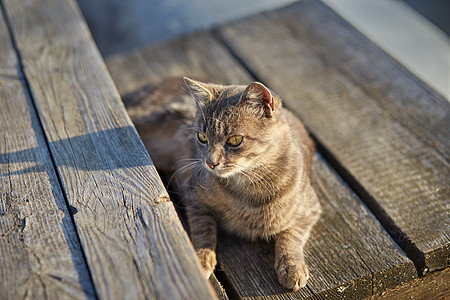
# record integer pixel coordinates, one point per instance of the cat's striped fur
(259, 188)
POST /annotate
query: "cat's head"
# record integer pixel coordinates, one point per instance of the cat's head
(235, 126)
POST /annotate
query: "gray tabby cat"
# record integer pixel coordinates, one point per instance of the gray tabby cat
(243, 165)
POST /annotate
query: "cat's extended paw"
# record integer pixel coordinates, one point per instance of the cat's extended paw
(292, 275)
(208, 261)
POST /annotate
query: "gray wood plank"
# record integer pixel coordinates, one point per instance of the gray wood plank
(134, 243)
(385, 130)
(432, 286)
(349, 254)
(40, 255)
(402, 95)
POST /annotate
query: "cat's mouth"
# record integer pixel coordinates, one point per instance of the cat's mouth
(220, 170)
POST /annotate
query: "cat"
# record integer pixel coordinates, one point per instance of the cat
(242, 163)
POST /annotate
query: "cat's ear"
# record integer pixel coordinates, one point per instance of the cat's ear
(257, 93)
(200, 91)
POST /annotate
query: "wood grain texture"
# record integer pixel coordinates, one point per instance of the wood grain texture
(433, 286)
(40, 255)
(402, 95)
(129, 231)
(349, 254)
(218, 287)
(386, 131)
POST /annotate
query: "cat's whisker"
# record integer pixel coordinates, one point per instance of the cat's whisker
(260, 176)
(186, 159)
(264, 183)
(248, 177)
(264, 175)
(260, 165)
(254, 179)
(271, 173)
(183, 169)
(186, 167)
(199, 170)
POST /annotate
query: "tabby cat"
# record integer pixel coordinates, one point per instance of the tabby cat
(242, 163)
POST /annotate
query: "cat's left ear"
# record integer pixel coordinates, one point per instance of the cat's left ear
(200, 91)
(259, 94)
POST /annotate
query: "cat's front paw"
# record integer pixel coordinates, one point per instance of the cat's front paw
(291, 274)
(208, 261)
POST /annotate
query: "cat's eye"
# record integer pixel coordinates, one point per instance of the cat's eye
(235, 140)
(202, 137)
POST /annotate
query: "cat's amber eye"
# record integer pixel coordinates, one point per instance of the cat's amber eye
(202, 137)
(235, 140)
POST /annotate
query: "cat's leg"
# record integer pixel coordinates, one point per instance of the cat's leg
(290, 263)
(203, 229)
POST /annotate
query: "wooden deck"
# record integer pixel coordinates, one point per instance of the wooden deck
(83, 213)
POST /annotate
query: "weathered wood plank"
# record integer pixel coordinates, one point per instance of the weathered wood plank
(132, 238)
(349, 253)
(387, 131)
(433, 286)
(40, 255)
(402, 95)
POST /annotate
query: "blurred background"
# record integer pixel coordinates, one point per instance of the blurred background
(415, 32)
(119, 25)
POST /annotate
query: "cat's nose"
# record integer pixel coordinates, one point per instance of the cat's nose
(211, 165)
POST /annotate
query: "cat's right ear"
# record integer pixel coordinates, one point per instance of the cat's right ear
(259, 95)
(198, 90)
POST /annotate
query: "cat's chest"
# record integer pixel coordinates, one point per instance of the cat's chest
(237, 215)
